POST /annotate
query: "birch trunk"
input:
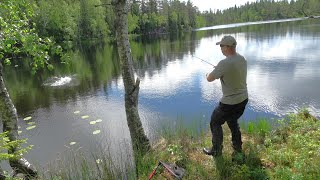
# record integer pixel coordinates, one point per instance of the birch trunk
(140, 142)
(9, 119)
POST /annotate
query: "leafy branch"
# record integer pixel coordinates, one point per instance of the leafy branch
(20, 39)
(6, 144)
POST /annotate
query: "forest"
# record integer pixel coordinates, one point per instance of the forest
(69, 22)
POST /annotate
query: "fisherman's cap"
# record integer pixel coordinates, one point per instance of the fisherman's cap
(228, 41)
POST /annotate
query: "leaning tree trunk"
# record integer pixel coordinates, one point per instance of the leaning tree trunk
(9, 120)
(140, 142)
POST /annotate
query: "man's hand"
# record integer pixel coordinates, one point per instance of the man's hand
(210, 77)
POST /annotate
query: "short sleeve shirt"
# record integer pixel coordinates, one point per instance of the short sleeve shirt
(232, 72)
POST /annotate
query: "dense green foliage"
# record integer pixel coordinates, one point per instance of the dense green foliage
(70, 21)
(162, 16)
(18, 36)
(264, 10)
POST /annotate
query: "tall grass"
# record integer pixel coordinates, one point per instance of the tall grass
(100, 164)
(172, 130)
(259, 127)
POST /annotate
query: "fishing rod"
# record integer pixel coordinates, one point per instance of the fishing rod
(204, 60)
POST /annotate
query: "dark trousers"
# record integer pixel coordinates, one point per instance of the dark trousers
(231, 114)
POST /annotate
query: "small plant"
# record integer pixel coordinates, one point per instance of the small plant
(260, 128)
(251, 128)
(176, 151)
(6, 144)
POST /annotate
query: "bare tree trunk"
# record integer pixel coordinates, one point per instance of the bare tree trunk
(140, 142)
(9, 119)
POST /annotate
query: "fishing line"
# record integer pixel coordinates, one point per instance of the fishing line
(203, 60)
(183, 53)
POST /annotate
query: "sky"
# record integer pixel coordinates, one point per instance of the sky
(204, 5)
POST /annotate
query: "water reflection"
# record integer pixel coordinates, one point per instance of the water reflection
(282, 72)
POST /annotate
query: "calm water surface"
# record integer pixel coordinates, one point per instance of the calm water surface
(283, 76)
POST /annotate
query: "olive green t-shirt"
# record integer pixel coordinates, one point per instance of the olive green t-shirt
(232, 72)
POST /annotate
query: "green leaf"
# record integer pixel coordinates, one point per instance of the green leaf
(27, 118)
(50, 67)
(85, 117)
(31, 123)
(7, 61)
(73, 143)
(30, 127)
(96, 132)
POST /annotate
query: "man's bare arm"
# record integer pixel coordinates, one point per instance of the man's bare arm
(210, 77)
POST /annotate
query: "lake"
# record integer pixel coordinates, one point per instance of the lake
(88, 94)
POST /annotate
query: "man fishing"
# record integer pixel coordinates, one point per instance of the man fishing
(232, 72)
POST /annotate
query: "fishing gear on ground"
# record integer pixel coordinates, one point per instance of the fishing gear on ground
(173, 170)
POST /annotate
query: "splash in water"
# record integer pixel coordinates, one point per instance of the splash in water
(62, 81)
(58, 81)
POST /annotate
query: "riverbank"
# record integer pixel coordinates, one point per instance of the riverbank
(289, 151)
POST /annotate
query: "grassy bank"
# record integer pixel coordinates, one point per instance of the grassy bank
(290, 150)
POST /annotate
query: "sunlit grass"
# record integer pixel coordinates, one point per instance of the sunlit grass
(76, 164)
(292, 150)
(287, 150)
